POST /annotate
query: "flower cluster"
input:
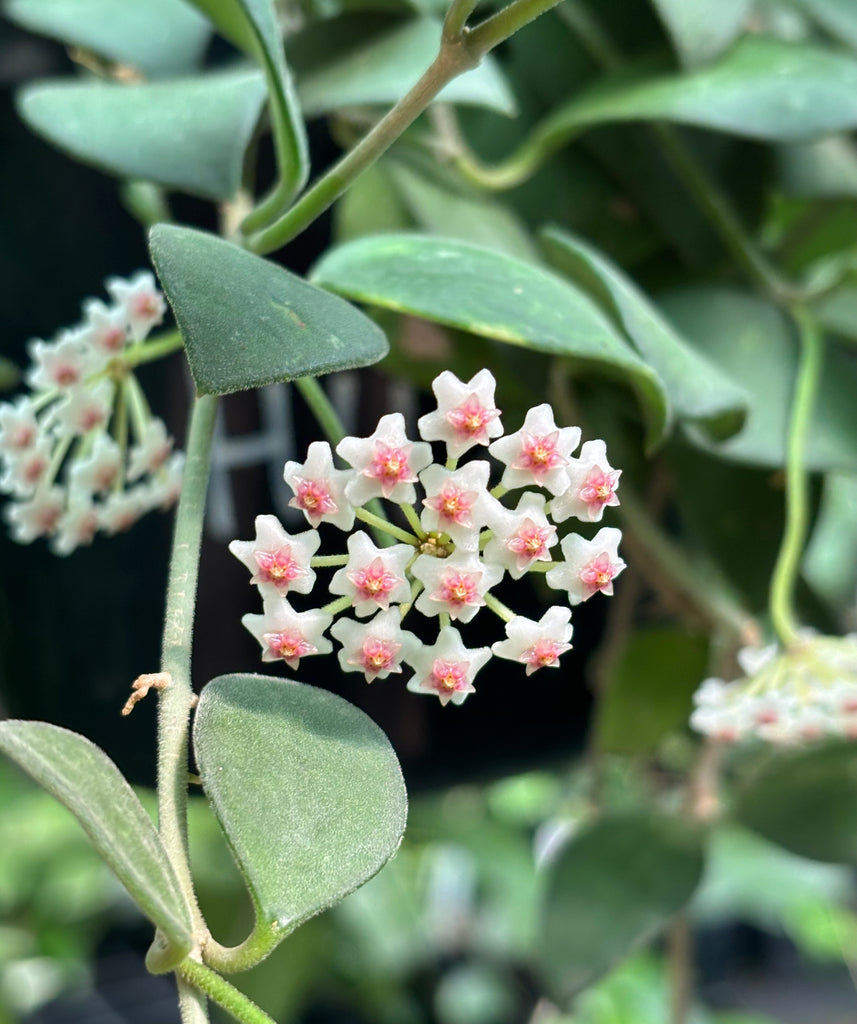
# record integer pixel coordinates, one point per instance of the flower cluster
(799, 695)
(81, 452)
(464, 540)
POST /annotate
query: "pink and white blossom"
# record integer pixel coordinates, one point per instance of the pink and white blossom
(456, 502)
(77, 526)
(106, 328)
(589, 566)
(538, 453)
(19, 428)
(520, 537)
(151, 451)
(26, 470)
(100, 470)
(373, 577)
(277, 559)
(84, 408)
(37, 517)
(537, 644)
(122, 509)
(376, 648)
(387, 463)
(592, 486)
(319, 489)
(455, 585)
(287, 635)
(466, 414)
(140, 300)
(59, 364)
(447, 668)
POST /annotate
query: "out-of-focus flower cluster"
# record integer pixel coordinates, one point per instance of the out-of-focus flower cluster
(799, 695)
(82, 452)
(462, 541)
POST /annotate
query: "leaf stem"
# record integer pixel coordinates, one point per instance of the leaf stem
(321, 407)
(147, 351)
(220, 991)
(784, 579)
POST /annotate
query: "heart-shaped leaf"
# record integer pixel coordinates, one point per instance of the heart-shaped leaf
(742, 93)
(88, 783)
(306, 787)
(806, 801)
(337, 65)
(247, 322)
(492, 295)
(753, 343)
(614, 886)
(697, 389)
(159, 37)
(252, 25)
(189, 134)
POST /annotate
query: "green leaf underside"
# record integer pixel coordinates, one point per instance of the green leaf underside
(306, 788)
(382, 68)
(805, 801)
(188, 134)
(830, 559)
(88, 783)
(158, 37)
(699, 29)
(697, 389)
(492, 295)
(247, 322)
(838, 17)
(762, 88)
(753, 343)
(650, 690)
(817, 170)
(252, 25)
(613, 887)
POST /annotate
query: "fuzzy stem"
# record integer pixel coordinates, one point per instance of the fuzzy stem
(497, 606)
(322, 561)
(781, 602)
(220, 991)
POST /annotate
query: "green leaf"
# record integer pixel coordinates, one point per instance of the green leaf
(189, 134)
(805, 801)
(252, 25)
(306, 788)
(837, 311)
(699, 29)
(88, 783)
(697, 389)
(753, 343)
(369, 207)
(830, 559)
(826, 169)
(159, 37)
(247, 322)
(742, 93)
(614, 887)
(838, 17)
(492, 295)
(649, 694)
(380, 69)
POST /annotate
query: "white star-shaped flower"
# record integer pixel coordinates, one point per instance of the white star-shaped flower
(84, 408)
(277, 559)
(319, 489)
(522, 537)
(152, 450)
(287, 635)
(537, 644)
(538, 453)
(100, 470)
(373, 577)
(377, 647)
(37, 517)
(19, 428)
(143, 305)
(456, 585)
(465, 414)
(447, 668)
(59, 364)
(77, 526)
(589, 566)
(592, 484)
(26, 470)
(106, 328)
(387, 463)
(122, 509)
(457, 502)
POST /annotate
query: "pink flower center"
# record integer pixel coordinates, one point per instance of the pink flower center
(448, 677)
(289, 645)
(390, 466)
(459, 589)
(453, 505)
(598, 488)
(530, 542)
(23, 436)
(105, 476)
(66, 374)
(377, 656)
(112, 339)
(277, 567)
(600, 572)
(374, 583)
(470, 420)
(539, 454)
(313, 496)
(48, 517)
(543, 654)
(146, 305)
(34, 467)
(85, 527)
(91, 416)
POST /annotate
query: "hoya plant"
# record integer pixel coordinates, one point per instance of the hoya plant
(649, 267)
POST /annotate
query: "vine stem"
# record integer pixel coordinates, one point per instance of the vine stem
(175, 700)
(784, 579)
(220, 991)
